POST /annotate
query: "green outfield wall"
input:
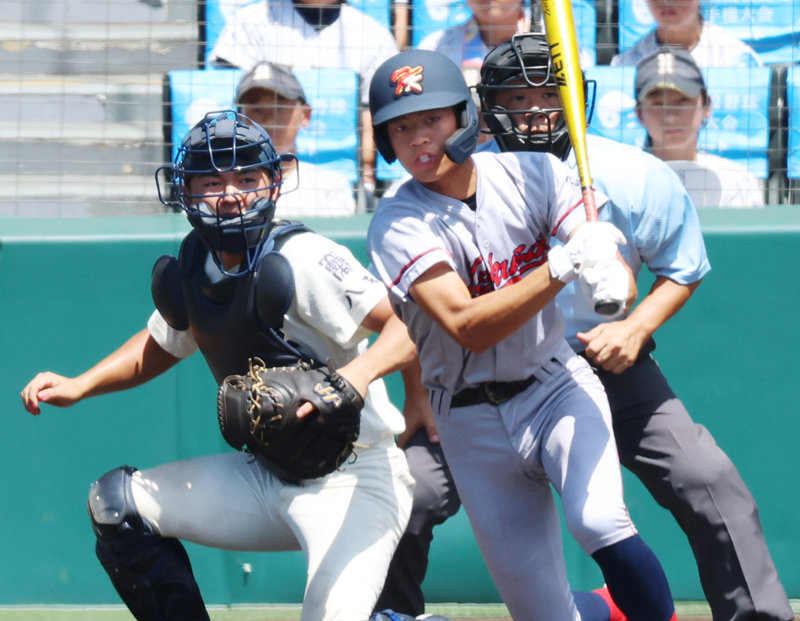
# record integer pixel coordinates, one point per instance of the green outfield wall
(72, 290)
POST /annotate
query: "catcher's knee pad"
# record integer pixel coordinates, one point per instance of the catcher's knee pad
(111, 505)
(152, 574)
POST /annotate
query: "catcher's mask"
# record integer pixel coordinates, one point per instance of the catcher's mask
(225, 141)
(419, 80)
(521, 63)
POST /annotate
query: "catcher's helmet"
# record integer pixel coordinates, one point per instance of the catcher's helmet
(522, 62)
(419, 80)
(224, 141)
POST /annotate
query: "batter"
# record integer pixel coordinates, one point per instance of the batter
(464, 247)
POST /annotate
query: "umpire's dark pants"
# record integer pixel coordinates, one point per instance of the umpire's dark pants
(687, 473)
(680, 464)
(435, 500)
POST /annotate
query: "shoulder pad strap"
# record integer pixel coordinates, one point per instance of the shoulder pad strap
(167, 291)
(192, 250)
(274, 279)
(281, 228)
(274, 289)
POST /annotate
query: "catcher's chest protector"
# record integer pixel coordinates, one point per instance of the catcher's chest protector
(232, 318)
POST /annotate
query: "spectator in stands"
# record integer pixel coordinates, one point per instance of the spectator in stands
(272, 96)
(310, 33)
(493, 22)
(681, 25)
(673, 105)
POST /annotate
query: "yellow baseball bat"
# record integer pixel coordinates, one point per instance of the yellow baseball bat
(559, 25)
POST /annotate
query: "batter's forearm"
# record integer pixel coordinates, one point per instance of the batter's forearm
(478, 323)
(510, 308)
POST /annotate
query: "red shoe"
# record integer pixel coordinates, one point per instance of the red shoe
(616, 613)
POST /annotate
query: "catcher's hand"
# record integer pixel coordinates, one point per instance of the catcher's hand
(258, 412)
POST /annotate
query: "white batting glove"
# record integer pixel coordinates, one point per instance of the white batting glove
(606, 286)
(590, 243)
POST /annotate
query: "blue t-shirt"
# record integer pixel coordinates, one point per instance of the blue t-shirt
(650, 205)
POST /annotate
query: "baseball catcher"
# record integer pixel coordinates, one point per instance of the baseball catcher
(244, 285)
(258, 413)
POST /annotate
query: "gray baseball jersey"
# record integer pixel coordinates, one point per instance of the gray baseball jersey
(524, 198)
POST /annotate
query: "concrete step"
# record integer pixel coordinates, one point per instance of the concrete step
(114, 98)
(47, 147)
(43, 157)
(78, 195)
(74, 124)
(80, 102)
(81, 132)
(98, 48)
(61, 12)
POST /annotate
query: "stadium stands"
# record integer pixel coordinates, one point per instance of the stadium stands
(738, 129)
(770, 27)
(432, 15)
(331, 139)
(793, 139)
(87, 81)
(429, 16)
(80, 107)
(742, 127)
(215, 13)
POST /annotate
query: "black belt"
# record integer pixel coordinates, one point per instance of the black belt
(490, 392)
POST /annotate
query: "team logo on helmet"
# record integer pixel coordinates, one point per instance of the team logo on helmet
(407, 80)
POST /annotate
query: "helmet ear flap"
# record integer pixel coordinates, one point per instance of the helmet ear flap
(382, 143)
(464, 140)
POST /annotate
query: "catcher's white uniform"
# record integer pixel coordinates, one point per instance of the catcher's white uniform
(557, 430)
(348, 522)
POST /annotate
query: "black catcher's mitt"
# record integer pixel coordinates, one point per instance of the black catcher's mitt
(257, 413)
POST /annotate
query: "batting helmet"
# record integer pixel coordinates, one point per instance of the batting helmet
(419, 80)
(523, 62)
(224, 141)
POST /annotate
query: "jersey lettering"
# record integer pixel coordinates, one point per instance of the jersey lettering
(502, 272)
(337, 265)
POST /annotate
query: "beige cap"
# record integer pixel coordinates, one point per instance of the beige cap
(272, 77)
